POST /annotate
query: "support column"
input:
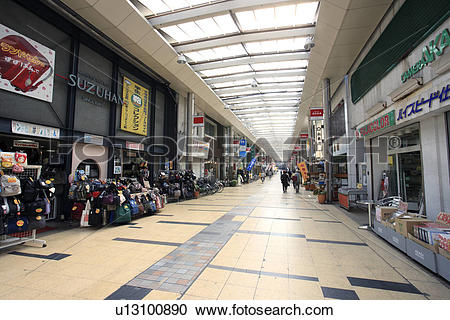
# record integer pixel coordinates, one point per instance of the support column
(189, 131)
(327, 140)
(350, 137)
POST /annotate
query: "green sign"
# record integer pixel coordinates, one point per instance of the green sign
(385, 121)
(435, 48)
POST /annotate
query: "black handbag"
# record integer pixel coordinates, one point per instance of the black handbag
(29, 190)
(37, 207)
(36, 222)
(15, 207)
(95, 217)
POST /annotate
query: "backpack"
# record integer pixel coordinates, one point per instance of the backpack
(36, 208)
(10, 186)
(294, 178)
(29, 191)
(16, 224)
(95, 217)
(37, 222)
(133, 207)
(77, 210)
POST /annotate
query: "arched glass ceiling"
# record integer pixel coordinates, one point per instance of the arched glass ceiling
(250, 52)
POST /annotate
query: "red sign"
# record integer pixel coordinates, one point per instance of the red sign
(304, 136)
(316, 114)
(297, 148)
(198, 121)
(295, 152)
(235, 141)
(248, 149)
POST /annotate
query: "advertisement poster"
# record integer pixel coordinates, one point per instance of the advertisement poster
(26, 66)
(135, 108)
(303, 170)
(242, 148)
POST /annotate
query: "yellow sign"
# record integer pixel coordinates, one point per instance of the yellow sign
(135, 108)
(303, 170)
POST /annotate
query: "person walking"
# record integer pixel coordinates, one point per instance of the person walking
(296, 181)
(285, 181)
(263, 176)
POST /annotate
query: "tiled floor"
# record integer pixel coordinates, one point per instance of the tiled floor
(249, 242)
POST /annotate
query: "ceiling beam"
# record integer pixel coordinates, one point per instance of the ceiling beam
(252, 59)
(275, 34)
(208, 10)
(256, 75)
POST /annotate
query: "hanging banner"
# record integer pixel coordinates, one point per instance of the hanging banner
(303, 170)
(316, 114)
(26, 66)
(251, 164)
(135, 108)
(242, 148)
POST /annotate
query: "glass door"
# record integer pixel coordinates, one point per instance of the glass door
(410, 173)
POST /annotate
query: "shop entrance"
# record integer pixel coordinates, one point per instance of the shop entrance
(405, 167)
(90, 167)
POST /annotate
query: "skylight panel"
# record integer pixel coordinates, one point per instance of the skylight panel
(155, 6)
(226, 23)
(280, 79)
(192, 29)
(306, 12)
(247, 20)
(176, 4)
(285, 15)
(231, 83)
(176, 33)
(217, 53)
(269, 46)
(280, 65)
(209, 26)
(226, 70)
(265, 18)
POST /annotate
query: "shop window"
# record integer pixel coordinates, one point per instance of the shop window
(90, 167)
(210, 129)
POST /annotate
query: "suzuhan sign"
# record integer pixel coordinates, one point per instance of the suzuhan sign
(94, 89)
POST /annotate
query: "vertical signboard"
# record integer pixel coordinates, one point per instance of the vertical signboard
(135, 108)
(242, 148)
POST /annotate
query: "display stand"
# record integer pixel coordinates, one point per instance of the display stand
(26, 236)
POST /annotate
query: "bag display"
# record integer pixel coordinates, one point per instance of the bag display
(36, 222)
(10, 186)
(15, 207)
(77, 210)
(123, 214)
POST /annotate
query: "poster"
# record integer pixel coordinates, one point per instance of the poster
(26, 66)
(135, 108)
(303, 170)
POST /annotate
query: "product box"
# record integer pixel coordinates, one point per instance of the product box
(443, 218)
(387, 224)
(383, 213)
(434, 248)
(406, 225)
(429, 232)
(444, 241)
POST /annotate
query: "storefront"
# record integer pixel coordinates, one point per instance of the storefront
(75, 104)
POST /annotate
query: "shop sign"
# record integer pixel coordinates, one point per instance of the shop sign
(297, 148)
(420, 106)
(26, 67)
(26, 144)
(251, 164)
(434, 49)
(248, 149)
(304, 136)
(117, 169)
(385, 121)
(316, 114)
(35, 130)
(94, 89)
(242, 148)
(198, 121)
(134, 108)
(93, 139)
(134, 146)
(200, 149)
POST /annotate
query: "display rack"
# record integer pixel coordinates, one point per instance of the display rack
(9, 240)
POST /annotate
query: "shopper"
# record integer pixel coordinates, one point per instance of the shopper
(296, 181)
(285, 181)
(263, 176)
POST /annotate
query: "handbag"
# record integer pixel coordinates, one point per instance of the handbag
(37, 222)
(29, 191)
(133, 207)
(84, 221)
(108, 198)
(123, 214)
(17, 168)
(37, 207)
(16, 224)
(95, 217)
(9, 186)
(77, 210)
